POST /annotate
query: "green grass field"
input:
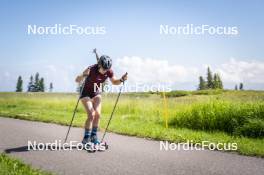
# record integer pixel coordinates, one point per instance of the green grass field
(214, 116)
(15, 167)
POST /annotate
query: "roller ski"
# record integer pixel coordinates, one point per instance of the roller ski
(87, 144)
(98, 145)
(93, 144)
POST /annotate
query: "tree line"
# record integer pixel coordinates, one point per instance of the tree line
(213, 81)
(36, 84)
(241, 86)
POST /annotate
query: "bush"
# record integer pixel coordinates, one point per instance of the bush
(181, 93)
(208, 92)
(253, 128)
(176, 93)
(245, 119)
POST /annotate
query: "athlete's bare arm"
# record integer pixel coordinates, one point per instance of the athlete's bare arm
(116, 81)
(96, 55)
(85, 73)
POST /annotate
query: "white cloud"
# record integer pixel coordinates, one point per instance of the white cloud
(147, 70)
(242, 71)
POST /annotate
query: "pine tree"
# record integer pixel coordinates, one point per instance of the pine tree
(215, 82)
(241, 86)
(220, 83)
(36, 83)
(19, 85)
(202, 83)
(30, 84)
(41, 86)
(210, 83)
(51, 87)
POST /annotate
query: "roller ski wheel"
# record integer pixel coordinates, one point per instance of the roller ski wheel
(103, 147)
(87, 145)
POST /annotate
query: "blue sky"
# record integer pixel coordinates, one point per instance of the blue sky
(132, 31)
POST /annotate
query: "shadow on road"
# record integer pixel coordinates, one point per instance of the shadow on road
(45, 148)
(17, 149)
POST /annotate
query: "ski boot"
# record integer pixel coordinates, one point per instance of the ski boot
(100, 146)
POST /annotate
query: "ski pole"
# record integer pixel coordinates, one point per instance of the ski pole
(75, 110)
(111, 116)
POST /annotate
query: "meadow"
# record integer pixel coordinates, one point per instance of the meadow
(213, 115)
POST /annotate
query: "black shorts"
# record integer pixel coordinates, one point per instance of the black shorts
(85, 93)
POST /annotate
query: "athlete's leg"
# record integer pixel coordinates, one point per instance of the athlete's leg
(88, 106)
(97, 103)
(97, 112)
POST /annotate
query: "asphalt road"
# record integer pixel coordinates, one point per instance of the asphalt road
(126, 155)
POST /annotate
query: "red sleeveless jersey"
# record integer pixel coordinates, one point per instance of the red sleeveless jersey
(95, 79)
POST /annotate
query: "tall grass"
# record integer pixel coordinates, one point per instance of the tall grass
(236, 118)
(199, 112)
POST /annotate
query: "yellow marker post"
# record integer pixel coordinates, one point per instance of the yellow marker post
(165, 109)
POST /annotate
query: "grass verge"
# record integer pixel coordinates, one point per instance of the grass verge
(11, 166)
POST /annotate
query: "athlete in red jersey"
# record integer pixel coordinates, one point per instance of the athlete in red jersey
(94, 81)
(91, 98)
